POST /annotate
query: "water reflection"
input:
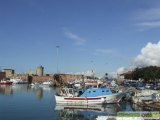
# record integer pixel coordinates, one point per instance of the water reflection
(39, 93)
(6, 90)
(87, 112)
(13, 89)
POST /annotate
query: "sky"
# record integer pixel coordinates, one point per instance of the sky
(106, 36)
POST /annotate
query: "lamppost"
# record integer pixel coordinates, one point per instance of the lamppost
(57, 58)
(92, 69)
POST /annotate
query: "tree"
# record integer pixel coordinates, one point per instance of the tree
(147, 73)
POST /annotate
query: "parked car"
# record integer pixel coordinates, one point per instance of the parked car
(133, 84)
(148, 86)
(140, 87)
(126, 85)
(155, 87)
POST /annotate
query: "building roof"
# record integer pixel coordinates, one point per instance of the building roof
(7, 69)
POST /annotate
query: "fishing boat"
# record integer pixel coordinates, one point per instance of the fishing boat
(92, 95)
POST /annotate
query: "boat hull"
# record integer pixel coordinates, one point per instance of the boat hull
(6, 83)
(113, 98)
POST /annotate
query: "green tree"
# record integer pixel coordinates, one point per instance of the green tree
(147, 73)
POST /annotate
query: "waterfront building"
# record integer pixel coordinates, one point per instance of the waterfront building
(9, 72)
(69, 77)
(21, 76)
(41, 78)
(2, 75)
(40, 70)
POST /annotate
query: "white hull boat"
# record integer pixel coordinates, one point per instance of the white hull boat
(90, 96)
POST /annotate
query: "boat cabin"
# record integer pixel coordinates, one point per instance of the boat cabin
(88, 92)
(67, 92)
(96, 91)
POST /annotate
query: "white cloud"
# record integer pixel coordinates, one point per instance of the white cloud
(149, 25)
(149, 15)
(150, 55)
(119, 70)
(112, 75)
(78, 40)
(148, 19)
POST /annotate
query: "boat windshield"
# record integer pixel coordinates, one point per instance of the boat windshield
(70, 91)
(66, 92)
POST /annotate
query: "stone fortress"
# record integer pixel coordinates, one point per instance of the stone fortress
(29, 76)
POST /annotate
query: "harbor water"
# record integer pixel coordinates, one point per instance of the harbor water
(24, 102)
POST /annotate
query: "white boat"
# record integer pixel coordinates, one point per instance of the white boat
(47, 83)
(15, 80)
(93, 95)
